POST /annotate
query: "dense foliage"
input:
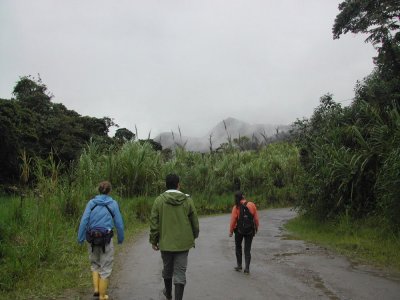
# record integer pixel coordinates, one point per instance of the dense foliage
(350, 155)
(136, 169)
(32, 126)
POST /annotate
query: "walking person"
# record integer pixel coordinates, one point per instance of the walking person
(173, 228)
(96, 227)
(244, 223)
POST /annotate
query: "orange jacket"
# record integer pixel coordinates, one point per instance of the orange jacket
(235, 215)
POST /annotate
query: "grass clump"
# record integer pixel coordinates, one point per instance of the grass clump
(366, 240)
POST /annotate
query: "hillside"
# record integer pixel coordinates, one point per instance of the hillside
(219, 134)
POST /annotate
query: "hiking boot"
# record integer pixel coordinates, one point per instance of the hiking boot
(238, 268)
(167, 296)
(247, 265)
(179, 291)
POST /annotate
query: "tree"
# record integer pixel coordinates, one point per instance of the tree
(155, 145)
(380, 19)
(17, 132)
(123, 135)
(33, 94)
(32, 123)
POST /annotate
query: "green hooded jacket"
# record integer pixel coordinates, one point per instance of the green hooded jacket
(173, 222)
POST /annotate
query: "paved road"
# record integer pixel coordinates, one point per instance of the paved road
(281, 268)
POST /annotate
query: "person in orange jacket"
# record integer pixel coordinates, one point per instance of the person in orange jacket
(243, 229)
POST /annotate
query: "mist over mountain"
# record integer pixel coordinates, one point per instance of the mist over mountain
(219, 134)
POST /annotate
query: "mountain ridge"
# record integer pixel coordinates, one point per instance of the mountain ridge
(229, 127)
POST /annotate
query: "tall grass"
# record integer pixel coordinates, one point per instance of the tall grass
(137, 170)
(35, 238)
(39, 254)
(351, 162)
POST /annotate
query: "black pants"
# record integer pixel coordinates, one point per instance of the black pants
(247, 248)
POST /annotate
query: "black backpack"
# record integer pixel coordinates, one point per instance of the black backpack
(245, 224)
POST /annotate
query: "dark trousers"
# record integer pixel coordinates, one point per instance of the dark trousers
(247, 248)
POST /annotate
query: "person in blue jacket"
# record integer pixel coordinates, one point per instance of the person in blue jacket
(96, 227)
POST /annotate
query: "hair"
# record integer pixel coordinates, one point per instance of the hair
(238, 196)
(105, 187)
(172, 181)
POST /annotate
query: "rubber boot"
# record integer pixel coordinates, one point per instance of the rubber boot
(96, 278)
(179, 291)
(247, 268)
(238, 259)
(103, 284)
(168, 288)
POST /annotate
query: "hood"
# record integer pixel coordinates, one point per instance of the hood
(102, 200)
(174, 197)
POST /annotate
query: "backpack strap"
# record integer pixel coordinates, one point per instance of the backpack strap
(109, 210)
(246, 207)
(242, 205)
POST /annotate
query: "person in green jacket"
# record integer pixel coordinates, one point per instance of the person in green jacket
(173, 228)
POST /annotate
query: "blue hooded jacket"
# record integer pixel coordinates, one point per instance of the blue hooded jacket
(100, 217)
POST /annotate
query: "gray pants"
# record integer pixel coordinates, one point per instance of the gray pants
(101, 262)
(175, 264)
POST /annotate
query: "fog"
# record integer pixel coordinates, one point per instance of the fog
(163, 64)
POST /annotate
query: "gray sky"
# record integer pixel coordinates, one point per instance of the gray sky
(163, 63)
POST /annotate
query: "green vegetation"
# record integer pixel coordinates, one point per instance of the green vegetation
(364, 241)
(342, 172)
(136, 169)
(38, 249)
(31, 124)
(349, 195)
(350, 155)
(39, 226)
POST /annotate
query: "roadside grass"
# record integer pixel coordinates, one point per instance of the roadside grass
(39, 253)
(38, 256)
(365, 241)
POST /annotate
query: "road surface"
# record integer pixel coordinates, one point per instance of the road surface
(281, 268)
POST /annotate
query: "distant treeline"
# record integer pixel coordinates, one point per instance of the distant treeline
(33, 127)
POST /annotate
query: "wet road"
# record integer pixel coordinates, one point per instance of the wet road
(281, 268)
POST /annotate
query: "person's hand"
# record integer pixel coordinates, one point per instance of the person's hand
(230, 234)
(155, 247)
